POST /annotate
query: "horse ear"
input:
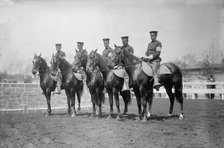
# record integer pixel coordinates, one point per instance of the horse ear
(35, 55)
(76, 50)
(40, 55)
(115, 45)
(96, 50)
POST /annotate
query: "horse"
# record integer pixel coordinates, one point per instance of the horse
(71, 84)
(47, 84)
(113, 83)
(143, 84)
(94, 81)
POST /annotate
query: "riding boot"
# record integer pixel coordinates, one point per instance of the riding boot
(156, 84)
(58, 87)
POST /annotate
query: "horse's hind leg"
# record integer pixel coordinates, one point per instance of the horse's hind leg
(179, 97)
(150, 100)
(73, 105)
(144, 103)
(68, 101)
(116, 95)
(110, 94)
(138, 99)
(171, 97)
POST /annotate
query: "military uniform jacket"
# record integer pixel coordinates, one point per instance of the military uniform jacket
(129, 49)
(61, 54)
(107, 51)
(151, 50)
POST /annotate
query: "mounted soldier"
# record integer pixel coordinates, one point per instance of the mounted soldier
(126, 46)
(130, 49)
(107, 52)
(58, 75)
(153, 55)
(82, 51)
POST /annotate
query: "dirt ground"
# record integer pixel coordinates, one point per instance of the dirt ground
(203, 126)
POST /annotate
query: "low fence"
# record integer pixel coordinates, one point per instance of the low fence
(193, 90)
(28, 97)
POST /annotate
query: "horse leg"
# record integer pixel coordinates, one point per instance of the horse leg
(79, 93)
(179, 97)
(48, 98)
(150, 100)
(68, 101)
(171, 97)
(144, 103)
(99, 96)
(73, 104)
(126, 97)
(116, 95)
(93, 98)
(138, 99)
(110, 94)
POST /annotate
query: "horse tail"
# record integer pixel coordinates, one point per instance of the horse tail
(178, 88)
(126, 95)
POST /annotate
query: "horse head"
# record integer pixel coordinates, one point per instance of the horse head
(37, 61)
(54, 65)
(117, 57)
(92, 61)
(80, 60)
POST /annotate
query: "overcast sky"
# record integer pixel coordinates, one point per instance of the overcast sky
(185, 26)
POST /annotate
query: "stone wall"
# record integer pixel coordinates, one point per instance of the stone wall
(28, 97)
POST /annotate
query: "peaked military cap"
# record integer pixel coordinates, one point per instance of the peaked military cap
(124, 37)
(153, 32)
(81, 43)
(57, 44)
(106, 39)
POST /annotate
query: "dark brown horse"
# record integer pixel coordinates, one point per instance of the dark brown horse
(71, 84)
(143, 84)
(47, 84)
(94, 81)
(112, 82)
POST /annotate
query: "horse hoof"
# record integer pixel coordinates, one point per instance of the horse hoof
(169, 115)
(118, 117)
(181, 116)
(79, 108)
(73, 115)
(109, 117)
(148, 115)
(144, 120)
(46, 114)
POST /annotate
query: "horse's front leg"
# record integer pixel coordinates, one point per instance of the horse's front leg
(144, 103)
(48, 98)
(110, 94)
(116, 95)
(79, 94)
(93, 99)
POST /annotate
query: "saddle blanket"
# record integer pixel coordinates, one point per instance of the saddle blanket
(119, 72)
(147, 69)
(79, 76)
(163, 69)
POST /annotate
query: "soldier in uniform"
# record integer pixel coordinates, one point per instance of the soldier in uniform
(153, 54)
(126, 46)
(130, 49)
(108, 50)
(58, 75)
(80, 50)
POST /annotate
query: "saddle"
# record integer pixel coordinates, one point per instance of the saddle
(148, 70)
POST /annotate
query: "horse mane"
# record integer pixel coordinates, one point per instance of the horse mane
(131, 55)
(65, 62)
